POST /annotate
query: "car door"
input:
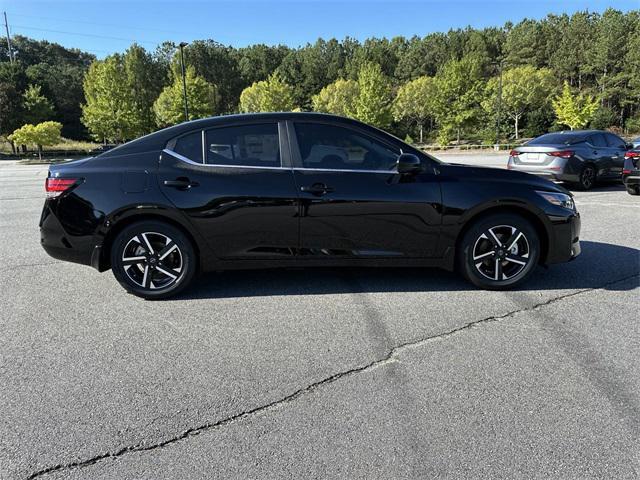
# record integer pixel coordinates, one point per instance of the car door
(600, 153)
(353, 201)
(617, 149)
(234, 185)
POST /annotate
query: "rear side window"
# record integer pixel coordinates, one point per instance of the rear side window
(244, 145)
(597, 140)
(557, 139)
(615, 141)
(190, 146)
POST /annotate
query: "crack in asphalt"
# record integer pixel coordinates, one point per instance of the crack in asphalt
(390, 357)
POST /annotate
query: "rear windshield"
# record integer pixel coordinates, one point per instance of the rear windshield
(557, 139)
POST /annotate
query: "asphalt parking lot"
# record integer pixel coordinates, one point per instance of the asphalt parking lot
(400, 373)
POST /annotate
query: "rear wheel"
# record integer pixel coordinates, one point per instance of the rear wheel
(633, 190)
(587, 179)
(499, 251)
(153, 260)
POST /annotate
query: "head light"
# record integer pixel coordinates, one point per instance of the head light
(560, 199)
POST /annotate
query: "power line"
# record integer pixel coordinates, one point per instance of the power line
(111, 25)
(93, 35)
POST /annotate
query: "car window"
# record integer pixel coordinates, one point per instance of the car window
(557, 138)
(245, 145)
(597, 140)
(339, 148)
(190, 146)
(615, 141)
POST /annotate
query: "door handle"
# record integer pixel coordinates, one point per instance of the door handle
(317, 189)
(181, 183)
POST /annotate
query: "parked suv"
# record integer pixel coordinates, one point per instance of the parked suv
(579, 157)
(631, 171)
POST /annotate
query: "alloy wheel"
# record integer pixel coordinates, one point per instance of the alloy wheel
(152, 260)
(587, 177)
(501, 252)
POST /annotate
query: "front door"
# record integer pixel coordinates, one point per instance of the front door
(353, 201)
(231, 184)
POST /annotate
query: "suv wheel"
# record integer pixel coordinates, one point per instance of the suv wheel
(153, 260)
(499, 252)
(633, 190)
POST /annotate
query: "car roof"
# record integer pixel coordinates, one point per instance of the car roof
(157, 140)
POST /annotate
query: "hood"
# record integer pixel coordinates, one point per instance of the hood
(474, 172)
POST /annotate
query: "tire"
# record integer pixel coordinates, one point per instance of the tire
(153, 260)
(483, 242)
(587, 178)
(633, 190)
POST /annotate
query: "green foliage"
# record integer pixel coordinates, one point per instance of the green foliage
(603, 119)
(338, 98)
(574, 111)
(459, 93)
(10, 108)
(201, 95)
(373, 104)
(109, 111)
(271, 95)
(524, 88)
(37, 108)
(43, 134)
(415, 102)
(633, 124)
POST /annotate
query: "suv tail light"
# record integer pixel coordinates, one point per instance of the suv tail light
(55, 186)
(514, 153)
(562, 154)
(635, 159)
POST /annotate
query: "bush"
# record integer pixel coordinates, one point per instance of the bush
(603, 119)
(538, 122)
(633, 124)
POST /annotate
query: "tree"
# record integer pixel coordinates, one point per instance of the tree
(574, 111)
(373, 104)
(338, 98)
(523, 89)
(37, 108)
(109, 111)
(459, 93)
(271, 95)
(201, 97)
(415, 102)
(45, 133)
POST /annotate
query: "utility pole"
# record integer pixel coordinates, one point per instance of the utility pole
(184, 82)
(6, 27)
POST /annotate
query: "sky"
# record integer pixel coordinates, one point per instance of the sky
(107, 26)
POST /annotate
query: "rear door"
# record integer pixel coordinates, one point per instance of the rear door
(617, 149)
(235, 186)
(353, 201)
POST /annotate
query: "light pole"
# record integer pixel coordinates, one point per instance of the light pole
(499, 108)
(184, 81)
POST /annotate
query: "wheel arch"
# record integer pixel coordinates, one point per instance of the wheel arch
(542, 230)
(129, 219)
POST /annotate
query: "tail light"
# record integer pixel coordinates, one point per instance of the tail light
(514, 153)
(562, 154)
(55, 186)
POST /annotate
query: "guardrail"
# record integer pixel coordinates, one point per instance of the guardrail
(495, 147)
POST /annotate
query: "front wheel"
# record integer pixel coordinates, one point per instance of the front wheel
(499, 252)
(153, 260)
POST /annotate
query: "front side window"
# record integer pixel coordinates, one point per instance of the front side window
(190, 146)
(338, 148)
(245, 145)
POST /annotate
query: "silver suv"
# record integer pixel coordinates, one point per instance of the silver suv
(579, 157)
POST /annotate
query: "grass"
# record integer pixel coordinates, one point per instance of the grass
(66, 145)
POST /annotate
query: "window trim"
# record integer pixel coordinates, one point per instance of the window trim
(283, 153)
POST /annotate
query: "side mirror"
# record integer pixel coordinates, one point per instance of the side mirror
(408, 163)
(629, 146)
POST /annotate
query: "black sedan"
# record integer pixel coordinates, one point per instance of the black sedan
(297, 189)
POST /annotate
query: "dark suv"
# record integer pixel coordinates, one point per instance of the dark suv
(579, 157)
(297, 189)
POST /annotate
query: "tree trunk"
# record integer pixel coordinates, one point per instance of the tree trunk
(458, 136)
(13, 147)
(40, 152)
(420, 129)
(516, 118)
